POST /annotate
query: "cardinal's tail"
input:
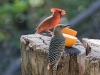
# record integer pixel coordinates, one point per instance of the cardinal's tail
(38, 31)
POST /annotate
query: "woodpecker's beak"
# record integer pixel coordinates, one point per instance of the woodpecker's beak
(68, 25)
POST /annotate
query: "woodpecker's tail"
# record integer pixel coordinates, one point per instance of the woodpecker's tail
(49, 66)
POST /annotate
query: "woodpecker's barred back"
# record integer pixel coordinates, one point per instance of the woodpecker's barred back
(56, 47)
(56, 50)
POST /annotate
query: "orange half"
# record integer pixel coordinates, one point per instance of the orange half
(69, 31)
(70, 40)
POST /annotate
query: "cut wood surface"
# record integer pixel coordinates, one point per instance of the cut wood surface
(34, 53)
(92, 61)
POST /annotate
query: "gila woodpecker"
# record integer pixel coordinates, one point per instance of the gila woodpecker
(56, 47)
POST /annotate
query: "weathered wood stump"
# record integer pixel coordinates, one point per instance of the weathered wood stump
(34, 52)
(92, 61)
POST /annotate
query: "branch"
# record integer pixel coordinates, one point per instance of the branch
(95, 7)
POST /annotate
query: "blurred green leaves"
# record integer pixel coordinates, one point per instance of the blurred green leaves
(81, 8)
(17, 6)
(20, 6)
(4, 36)
(9, 13)
(6, 8)
(36, 3)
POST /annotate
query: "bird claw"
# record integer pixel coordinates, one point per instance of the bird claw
(51, 33)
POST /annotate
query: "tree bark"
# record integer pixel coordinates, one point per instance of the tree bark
(34, 52)
(92, 61)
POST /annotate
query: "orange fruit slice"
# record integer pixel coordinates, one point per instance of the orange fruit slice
(69, 31)
(70, 40)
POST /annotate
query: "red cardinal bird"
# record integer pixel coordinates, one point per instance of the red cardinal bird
(51, 21)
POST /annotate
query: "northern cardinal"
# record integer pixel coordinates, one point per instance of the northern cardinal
(51, 21)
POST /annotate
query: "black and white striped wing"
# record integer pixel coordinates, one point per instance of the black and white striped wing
(57, 46)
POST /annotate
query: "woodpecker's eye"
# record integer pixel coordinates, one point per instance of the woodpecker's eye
(61, 26)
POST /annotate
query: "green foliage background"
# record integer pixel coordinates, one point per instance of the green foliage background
(21, 17)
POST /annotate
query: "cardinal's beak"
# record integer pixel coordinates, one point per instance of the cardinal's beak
(63, 12)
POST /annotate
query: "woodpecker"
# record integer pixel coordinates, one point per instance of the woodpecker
(56, 47)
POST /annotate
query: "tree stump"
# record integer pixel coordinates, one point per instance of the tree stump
(34, 53)
(92, 61)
